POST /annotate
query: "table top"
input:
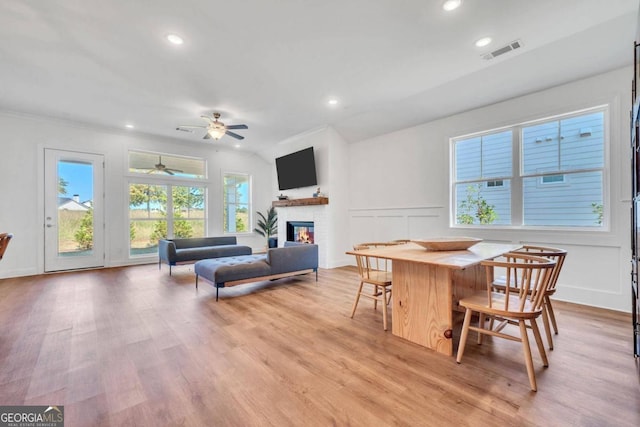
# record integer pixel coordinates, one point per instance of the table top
(452, 259)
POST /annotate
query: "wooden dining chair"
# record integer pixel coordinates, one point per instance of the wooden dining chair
(518, 304)
(4, 242)
(558, 255)
(375, 272)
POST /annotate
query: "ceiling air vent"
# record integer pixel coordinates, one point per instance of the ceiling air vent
(501, 51)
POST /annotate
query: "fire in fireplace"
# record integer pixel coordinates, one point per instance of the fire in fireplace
(300, 231)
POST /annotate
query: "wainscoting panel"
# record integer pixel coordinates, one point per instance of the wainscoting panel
(385, 224)
(391, 227)
(361, 228)
(422, 226)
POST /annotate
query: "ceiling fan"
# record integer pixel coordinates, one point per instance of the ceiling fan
(215, 128)
(159, 167)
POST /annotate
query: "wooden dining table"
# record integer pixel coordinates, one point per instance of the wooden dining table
(427, 286)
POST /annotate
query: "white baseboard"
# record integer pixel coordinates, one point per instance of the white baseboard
(19, 273)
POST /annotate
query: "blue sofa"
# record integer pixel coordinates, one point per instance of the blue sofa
(291, 260)
(180, 251)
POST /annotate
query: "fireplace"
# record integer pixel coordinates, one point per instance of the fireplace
(300, 231)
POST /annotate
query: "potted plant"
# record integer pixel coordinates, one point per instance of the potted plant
(268, 227)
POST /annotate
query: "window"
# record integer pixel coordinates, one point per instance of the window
(483, 166)
(167, 165)
(147, 217)
(188, 211)
(546, 173)
(552, 179)
(165, 201)
(160, 211)
(236, 203)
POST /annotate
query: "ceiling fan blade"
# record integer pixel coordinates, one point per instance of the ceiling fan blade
(234, 135)
(237, 127)
(174, 170)
(168, 171)
(206, 136)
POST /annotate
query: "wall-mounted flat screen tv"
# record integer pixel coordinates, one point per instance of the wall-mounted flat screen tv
(296, 170)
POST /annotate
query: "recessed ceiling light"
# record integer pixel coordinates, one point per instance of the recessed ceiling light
(450, 5)
(129, 126)
(175, 39)
(333, 101)
(483, 42)
(237, 145)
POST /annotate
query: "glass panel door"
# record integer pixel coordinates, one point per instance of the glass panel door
(74, 230)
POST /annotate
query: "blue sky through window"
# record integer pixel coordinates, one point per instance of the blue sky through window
(79, 177)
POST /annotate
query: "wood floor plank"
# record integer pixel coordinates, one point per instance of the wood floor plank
(135, 346)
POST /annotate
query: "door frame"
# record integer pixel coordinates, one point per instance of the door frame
(99, 175)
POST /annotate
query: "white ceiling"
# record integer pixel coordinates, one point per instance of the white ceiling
(274, 64)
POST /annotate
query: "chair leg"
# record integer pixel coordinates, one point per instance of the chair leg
(547, 327)
(547, 302)
(355, 303)
(384, 308)
(536, 334)
(376, 292)
(463, 336)
(481, 321)
(527, 355)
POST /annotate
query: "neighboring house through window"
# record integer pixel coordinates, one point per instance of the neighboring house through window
(549, 173)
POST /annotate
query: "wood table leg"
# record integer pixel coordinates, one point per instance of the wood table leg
(422, 305)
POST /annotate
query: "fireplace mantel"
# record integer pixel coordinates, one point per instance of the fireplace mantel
(300, 202)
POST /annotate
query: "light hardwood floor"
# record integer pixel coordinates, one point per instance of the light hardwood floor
(133, 346)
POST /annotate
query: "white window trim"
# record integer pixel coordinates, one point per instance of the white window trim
(517, 178)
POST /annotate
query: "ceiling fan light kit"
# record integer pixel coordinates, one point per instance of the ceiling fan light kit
(216, 132)
(215, 129)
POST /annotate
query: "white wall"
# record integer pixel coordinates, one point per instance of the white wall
(388, 187)
(21, 183)
(399, 186)
(331, 155)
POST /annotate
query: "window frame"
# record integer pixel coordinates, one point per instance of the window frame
(250, 225)
(169, 181)
(518, 175)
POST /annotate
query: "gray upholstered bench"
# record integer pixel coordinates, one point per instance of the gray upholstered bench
(291, 260)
